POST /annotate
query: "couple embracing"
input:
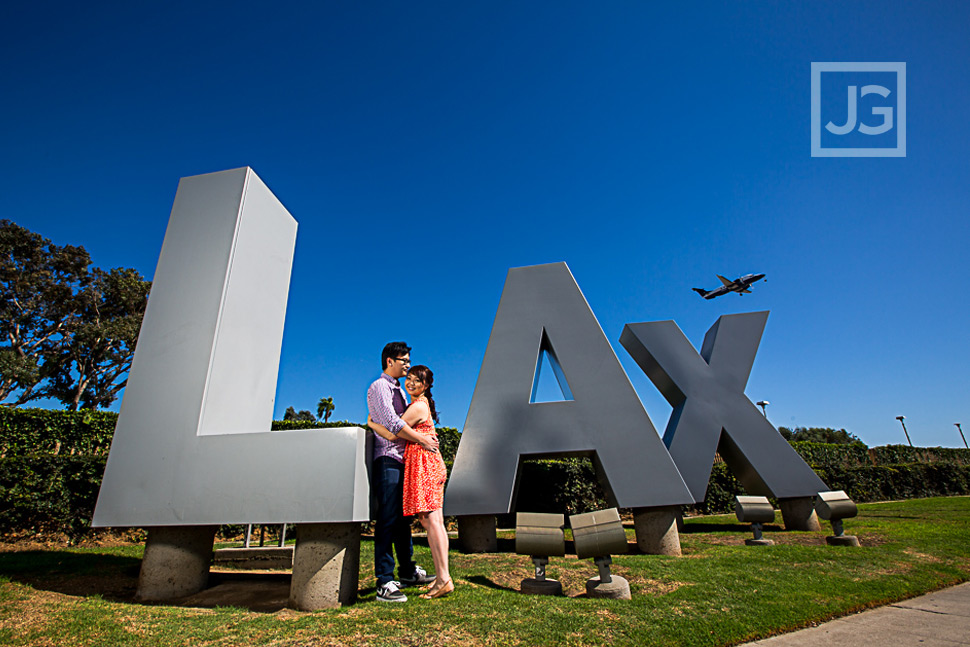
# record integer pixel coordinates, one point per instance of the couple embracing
(407, 476)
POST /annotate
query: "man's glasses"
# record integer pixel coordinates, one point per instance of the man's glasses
(404, 360)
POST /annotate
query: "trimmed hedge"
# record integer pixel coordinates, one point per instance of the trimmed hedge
(567, 485)
(570, 486)
(52, 462)
(899, 454)
(888, 482)
(448, 437)
(52, 431)
(858, 455)
(721, 490)
(853, 455)
(294, 425)
(877, 474)
(44, 493)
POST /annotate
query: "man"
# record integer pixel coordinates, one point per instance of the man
(385, 403)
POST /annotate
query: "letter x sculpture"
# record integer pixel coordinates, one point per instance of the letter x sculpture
(711, 413)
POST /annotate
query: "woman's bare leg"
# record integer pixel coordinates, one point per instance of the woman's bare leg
(434, 523)
(424, 518)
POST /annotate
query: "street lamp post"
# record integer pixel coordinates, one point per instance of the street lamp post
(901, 419)
(763, 404)
(960, 429)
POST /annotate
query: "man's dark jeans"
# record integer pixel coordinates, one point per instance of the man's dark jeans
(392, 533)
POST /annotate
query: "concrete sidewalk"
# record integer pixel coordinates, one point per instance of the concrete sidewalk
(936, 619)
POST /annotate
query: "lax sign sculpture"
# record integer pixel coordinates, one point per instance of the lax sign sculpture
(542, 311)
(192, 448)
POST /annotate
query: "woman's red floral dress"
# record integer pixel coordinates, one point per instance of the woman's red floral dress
(424, 474)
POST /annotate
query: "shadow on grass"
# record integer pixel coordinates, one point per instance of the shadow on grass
(112, 577)
(115, 579)
(728, 528)
(491, 584)
(259, 592)
(504, 545)
(495, 586)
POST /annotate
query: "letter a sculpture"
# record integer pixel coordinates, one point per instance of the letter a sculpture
(543, 311)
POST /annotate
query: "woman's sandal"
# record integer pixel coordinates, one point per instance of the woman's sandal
(430, 591)
(439, 592)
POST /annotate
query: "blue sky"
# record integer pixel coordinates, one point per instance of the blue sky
(425, 148)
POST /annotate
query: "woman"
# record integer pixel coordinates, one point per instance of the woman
(424, 476)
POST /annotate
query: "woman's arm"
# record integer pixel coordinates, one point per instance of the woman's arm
(406, 433)
(416, 413)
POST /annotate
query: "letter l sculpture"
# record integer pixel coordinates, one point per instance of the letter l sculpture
(193, 447)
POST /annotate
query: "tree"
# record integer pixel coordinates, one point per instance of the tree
(819, 435)
(325, 408)
(38, 284)
(304, 415)
(68, 331)
(91, 370)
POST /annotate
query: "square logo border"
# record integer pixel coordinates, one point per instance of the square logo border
(899, 68)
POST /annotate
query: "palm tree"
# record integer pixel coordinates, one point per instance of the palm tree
(325, 408)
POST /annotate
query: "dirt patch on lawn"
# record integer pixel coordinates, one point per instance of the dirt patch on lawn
(922, 557)
(783, 537)
(647, 586)
(14, 541)
(573, 580)
(32, 614)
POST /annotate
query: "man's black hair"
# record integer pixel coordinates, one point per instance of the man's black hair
(394, 349)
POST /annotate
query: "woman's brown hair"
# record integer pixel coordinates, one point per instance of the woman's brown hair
(424, 374)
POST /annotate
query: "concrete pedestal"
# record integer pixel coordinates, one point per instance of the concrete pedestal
(758, 542)
(616, 589)
(799, 513)
(476, 534)
(656, 530)
(532, 586)
(176, 562)
(326, 565)
(842, 540)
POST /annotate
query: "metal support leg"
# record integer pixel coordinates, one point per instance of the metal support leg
(603, 566)
(540, 564)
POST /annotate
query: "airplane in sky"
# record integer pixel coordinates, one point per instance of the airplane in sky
(739, 285)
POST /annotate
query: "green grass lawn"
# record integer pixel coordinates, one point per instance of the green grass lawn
(719, 593)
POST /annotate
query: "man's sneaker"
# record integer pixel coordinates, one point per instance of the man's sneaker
(391, 592)
(419, 577)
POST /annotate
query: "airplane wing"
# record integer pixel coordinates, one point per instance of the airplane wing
(724, 280)
(745, 291)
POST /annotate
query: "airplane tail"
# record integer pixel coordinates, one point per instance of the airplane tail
(700, 291)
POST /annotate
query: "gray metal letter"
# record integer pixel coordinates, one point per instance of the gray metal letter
(192, 445)
(711, 413)
(542, 308)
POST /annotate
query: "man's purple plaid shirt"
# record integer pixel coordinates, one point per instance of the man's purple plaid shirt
(386, 403)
